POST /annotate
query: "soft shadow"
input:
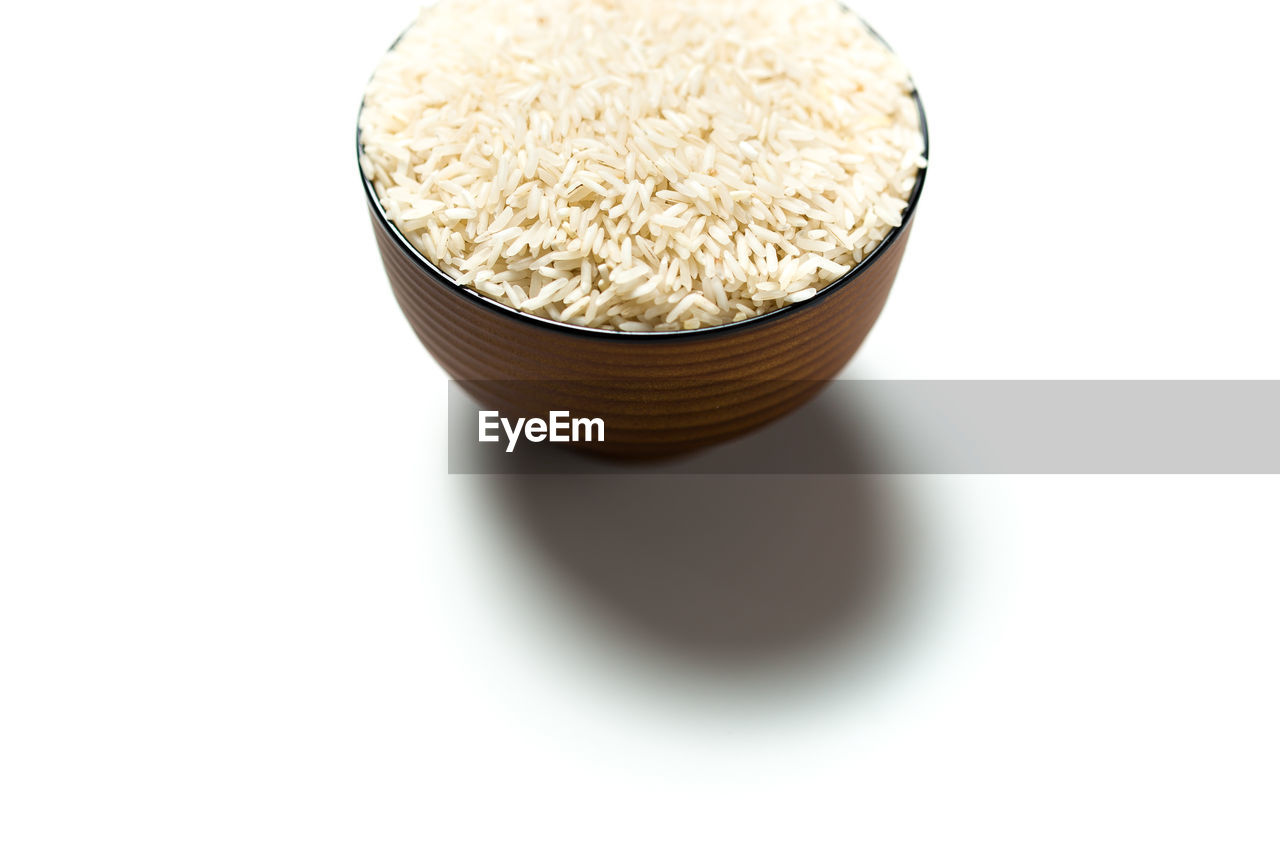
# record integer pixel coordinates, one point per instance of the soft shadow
(734, 573)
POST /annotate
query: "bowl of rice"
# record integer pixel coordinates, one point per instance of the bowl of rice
(679, 217)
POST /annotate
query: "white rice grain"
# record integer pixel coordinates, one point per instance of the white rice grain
(642, 166)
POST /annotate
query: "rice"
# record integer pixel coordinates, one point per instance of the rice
(642, 165)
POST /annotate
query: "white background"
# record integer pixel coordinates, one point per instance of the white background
(243, 607)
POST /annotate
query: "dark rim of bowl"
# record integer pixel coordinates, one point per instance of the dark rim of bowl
(489, 303)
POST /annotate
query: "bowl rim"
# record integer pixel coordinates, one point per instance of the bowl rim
(488, 303)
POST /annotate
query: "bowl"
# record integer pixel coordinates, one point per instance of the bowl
(658, 393)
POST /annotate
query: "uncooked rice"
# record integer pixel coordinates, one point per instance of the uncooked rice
(642, 165)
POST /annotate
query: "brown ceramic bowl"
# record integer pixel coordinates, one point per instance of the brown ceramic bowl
(659, 393)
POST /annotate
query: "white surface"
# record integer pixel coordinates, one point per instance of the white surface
(242, 606)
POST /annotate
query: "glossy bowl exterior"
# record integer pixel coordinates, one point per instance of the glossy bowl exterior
(659, 393)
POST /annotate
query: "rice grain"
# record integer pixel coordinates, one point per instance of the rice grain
(642, 166)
